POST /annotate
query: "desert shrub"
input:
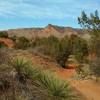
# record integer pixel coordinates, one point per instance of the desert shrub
(95, 67)
(22, 43)
(4, 56)
(58, 89)
(3, 34)
(4, 85)
(14, 38)
(38, 41)
(83, 71)
(34, 42)
(80, 48)
(53, 46)
(65, 50)
(95, 46)
(48, 44)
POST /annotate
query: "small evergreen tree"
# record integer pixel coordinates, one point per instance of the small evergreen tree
(92, 23)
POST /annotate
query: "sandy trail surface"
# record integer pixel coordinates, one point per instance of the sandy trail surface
(88, 88)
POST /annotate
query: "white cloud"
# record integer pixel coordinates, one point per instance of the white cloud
(27, 10)
(57, 9)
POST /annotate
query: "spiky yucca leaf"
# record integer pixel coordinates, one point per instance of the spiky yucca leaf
(19, 64)
(24, 67)
(57, 88)
(31, 71)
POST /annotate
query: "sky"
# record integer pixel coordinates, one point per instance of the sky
(39, 13)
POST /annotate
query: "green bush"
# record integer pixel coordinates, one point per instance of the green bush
(4, 56)
(64, 51)
(3, 34)
(22, 43)
(80, 48)
(95, 66)
(83, 71)
(14, 38)
(4, 85)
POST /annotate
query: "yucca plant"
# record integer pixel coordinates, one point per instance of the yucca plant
(31, 71)
(58, 89)
(24, 69)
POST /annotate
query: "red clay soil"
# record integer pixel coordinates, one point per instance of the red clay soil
(88, 88)
(9, 43)
(66, 73)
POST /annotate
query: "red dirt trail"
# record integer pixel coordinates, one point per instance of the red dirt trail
(88, 88)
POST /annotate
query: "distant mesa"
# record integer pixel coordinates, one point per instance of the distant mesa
(58, 31)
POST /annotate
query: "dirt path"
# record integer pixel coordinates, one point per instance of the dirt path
(88, 88)
(66, 73)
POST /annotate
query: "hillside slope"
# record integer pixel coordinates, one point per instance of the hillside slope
(57, 31)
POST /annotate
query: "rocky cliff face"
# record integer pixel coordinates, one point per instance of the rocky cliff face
(49, 30)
